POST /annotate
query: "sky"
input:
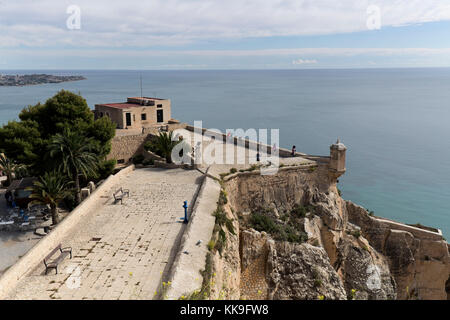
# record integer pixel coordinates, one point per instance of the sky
(223, 34)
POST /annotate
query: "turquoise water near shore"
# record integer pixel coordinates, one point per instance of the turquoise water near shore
(395, 122)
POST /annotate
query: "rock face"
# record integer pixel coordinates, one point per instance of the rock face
(301, 271)
(365, 270)
(282, 270)
(418, 258)
(348, 254)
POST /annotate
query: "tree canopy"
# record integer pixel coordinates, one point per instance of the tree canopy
(25, 141)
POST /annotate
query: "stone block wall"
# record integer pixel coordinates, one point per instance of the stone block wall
(125, 146)
(250, 190)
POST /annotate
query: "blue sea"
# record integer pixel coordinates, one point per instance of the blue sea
(395, 122)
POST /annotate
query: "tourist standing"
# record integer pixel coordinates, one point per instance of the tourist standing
(293, 151)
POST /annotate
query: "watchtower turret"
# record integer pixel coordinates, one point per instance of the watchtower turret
(337, 161)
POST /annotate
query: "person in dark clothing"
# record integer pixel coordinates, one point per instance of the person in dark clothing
(293, 151)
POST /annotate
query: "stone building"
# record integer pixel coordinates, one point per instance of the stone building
(136, 113)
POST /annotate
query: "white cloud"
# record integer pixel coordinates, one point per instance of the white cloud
(328, 52)
(154, 23)
(304, 61)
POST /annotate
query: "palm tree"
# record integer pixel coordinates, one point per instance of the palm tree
(9, 167)
(50, 189)
(74, 151)
(164, 143)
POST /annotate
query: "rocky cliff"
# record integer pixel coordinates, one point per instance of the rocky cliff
(294, 237)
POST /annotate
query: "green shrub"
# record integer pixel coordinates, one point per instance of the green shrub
(70, 202)
(221, 241)
(229, 225)
(106, 168)
(299, 211)
(288, 233)
(211, 245)
(356, 233)
(223, 220)
(261, 222)
(317, 283)
(233, 170)
(138, 159)
(281, 232)
(223, 198)
(150, 146)
(148, 162)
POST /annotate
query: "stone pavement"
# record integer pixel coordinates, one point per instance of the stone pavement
(121, 251)
(241, 157)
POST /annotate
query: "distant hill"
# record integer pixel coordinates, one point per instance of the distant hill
(33, 79)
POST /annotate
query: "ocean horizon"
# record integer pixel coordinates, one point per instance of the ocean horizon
(394, 122)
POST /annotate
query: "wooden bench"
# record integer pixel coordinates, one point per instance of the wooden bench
(120, 193)
(53, 263)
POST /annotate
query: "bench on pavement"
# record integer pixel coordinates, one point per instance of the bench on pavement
(119, 194)
(53, 263)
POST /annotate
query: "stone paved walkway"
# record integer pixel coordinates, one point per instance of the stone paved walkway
(122, 251)
(241, 157)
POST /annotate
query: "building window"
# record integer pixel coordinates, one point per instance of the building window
(159, 116)
(128, 119)
(159, 106)
(143, 116)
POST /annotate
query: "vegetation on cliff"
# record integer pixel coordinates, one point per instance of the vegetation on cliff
(288, 228)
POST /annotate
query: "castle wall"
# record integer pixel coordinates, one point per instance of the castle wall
(124, 148)
(127, 144)
(250, 190)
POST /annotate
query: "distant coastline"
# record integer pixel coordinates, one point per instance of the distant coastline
(35, 79)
